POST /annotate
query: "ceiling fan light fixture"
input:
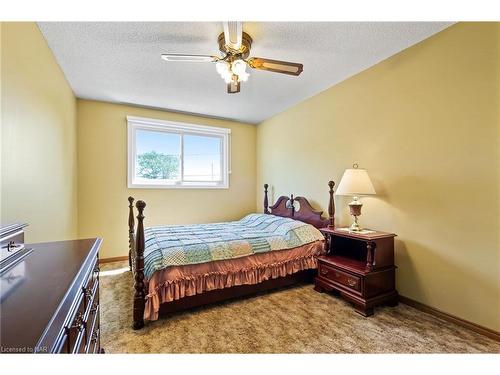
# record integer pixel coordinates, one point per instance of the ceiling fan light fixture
(238, 66)
(224, 70)
(235, 70)
(233, 58)
(222, 67)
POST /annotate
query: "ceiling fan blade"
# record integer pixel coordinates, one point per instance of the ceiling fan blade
(233, 87)
(276, 66)
(233, 34)
(190, 58)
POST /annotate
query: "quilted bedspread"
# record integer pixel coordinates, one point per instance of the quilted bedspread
(192, 244)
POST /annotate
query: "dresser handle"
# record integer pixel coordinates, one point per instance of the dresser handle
(96, 270)
(78, 322)
(324, 272)
(94, 308)
(94, 336)
(87, 292)
(351, 282)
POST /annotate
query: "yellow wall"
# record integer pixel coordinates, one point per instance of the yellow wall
(425, 124)
(38, 139)
(102, 176)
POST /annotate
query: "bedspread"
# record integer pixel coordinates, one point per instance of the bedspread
(194, 244)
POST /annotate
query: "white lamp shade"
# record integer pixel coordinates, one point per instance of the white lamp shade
(355, 182)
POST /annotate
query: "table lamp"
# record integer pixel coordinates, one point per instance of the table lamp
(355, 182)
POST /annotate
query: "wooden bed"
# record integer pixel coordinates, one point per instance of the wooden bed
(284, 207)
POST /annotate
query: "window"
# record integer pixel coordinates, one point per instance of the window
(165, 154)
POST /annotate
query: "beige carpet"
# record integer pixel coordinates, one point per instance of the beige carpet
(293, 320)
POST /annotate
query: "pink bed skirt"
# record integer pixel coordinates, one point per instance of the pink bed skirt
(176, 282)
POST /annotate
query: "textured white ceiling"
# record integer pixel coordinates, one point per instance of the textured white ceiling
(120, 61)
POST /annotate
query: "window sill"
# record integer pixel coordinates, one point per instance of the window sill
(151, 186)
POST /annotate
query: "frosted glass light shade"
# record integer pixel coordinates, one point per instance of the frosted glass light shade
(355, 182)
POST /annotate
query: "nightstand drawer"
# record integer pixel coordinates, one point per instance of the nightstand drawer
(340, 277)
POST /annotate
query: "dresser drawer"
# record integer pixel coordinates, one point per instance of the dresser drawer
(64, 344)
(73, 343)
(93, 320)
(340, 277)
(81, 342)
(91, 299)
(94, 342)
(90, 284)
(75, 331)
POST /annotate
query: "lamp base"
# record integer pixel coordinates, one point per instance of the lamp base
(355, 211)
(355, 226)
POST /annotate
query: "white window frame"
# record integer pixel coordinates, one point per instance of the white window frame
(140, 123)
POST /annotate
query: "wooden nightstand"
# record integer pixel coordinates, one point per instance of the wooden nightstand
(360, 267)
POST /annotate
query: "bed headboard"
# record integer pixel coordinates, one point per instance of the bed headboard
(299, 208)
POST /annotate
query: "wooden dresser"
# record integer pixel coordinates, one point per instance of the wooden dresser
(50, 301)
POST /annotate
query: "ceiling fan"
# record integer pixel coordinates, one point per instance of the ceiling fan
(231, 63)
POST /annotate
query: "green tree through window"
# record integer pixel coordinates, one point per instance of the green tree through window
(155, 165)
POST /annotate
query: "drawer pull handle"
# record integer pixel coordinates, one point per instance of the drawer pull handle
(351, 282)
(94, 308)
(324, 272)
(87, 292)
(78, 323)
(96, 270)
(94, 336)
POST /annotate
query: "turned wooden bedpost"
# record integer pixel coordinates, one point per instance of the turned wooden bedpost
(266, 202)
(131, 228)
(139, 295)
(331, 206)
